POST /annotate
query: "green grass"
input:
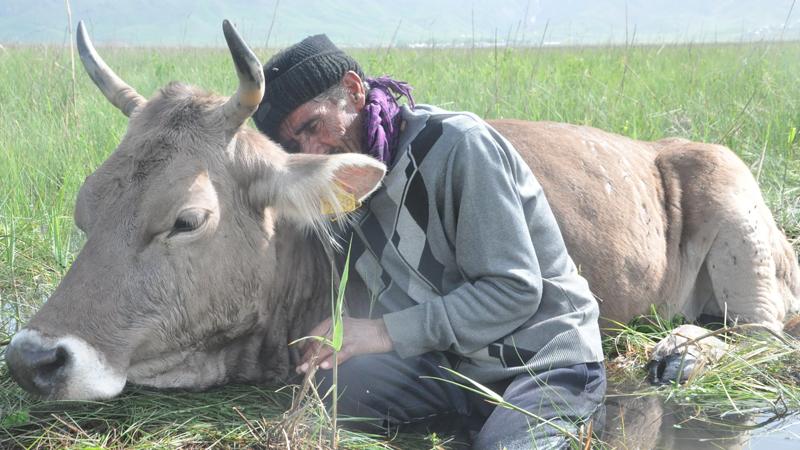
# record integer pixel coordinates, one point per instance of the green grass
(236, 416)
(744, 96)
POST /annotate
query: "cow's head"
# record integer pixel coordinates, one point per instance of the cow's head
(196, 270)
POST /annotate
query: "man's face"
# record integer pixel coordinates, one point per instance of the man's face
(327, 127)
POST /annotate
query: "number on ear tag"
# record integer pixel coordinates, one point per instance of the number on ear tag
(347, 202)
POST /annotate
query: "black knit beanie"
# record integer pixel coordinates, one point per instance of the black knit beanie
(296, 75)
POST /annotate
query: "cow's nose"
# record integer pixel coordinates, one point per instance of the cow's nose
(38, 369)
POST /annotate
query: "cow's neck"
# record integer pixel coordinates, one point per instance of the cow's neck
(303, 280)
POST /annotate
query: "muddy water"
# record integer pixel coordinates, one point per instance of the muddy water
(646, 422)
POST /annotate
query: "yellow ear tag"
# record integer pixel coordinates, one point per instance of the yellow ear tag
(346, 200)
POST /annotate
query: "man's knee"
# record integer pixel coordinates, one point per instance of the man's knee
(555, 434)
(557, 403)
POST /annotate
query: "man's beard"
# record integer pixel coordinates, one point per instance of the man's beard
(353, 138)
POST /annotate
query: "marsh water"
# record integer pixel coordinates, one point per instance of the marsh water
(641, 421)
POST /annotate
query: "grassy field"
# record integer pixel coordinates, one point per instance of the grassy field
(54, 132)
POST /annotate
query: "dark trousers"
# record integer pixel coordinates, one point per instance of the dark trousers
(389, 392)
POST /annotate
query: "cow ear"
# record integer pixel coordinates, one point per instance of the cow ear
(312, 189)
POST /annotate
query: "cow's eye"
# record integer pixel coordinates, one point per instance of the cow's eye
(188, 220)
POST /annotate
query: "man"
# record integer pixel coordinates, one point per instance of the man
(459, 254)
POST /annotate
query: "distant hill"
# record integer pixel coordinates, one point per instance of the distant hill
(402, 22)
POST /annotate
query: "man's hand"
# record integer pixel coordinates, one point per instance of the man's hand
(361, 336)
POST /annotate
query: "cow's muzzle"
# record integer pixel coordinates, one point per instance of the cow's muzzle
(38, 369)
(63, 367)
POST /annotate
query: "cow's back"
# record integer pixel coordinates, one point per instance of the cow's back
(609, 199)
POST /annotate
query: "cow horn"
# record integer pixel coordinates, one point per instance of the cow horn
(124, 97)
(251, 80)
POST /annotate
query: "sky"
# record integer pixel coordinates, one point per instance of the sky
(402, 22)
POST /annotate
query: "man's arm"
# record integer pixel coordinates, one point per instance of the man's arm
(494, 252)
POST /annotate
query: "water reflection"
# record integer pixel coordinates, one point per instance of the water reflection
(645, 421)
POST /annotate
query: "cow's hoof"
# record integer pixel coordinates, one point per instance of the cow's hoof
(683, 354)
(672, 368)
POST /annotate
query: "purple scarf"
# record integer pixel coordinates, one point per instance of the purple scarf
(382, 116)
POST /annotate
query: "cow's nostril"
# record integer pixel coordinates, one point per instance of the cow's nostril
(47, 364)
(38, 370)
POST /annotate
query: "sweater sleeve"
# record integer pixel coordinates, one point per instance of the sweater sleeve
(493, 250)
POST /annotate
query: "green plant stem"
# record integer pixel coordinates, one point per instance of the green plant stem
(335, 401)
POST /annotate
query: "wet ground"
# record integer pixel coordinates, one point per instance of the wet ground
(647, 422)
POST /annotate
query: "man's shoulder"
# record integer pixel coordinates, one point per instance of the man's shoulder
(458, 120)
(434, 124)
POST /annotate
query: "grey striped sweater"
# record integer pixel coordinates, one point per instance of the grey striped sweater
(459, 252)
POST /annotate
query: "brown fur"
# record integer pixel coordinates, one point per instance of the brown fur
(676, 224)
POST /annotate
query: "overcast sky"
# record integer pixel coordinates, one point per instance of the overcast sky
(402, 22)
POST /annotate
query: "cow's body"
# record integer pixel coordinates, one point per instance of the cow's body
(199, 269)
(676, 224)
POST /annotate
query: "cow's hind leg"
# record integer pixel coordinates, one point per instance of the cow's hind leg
(742, 264)
(746, 262)
(751, 268)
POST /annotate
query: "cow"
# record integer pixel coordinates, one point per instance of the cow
(209, 248)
